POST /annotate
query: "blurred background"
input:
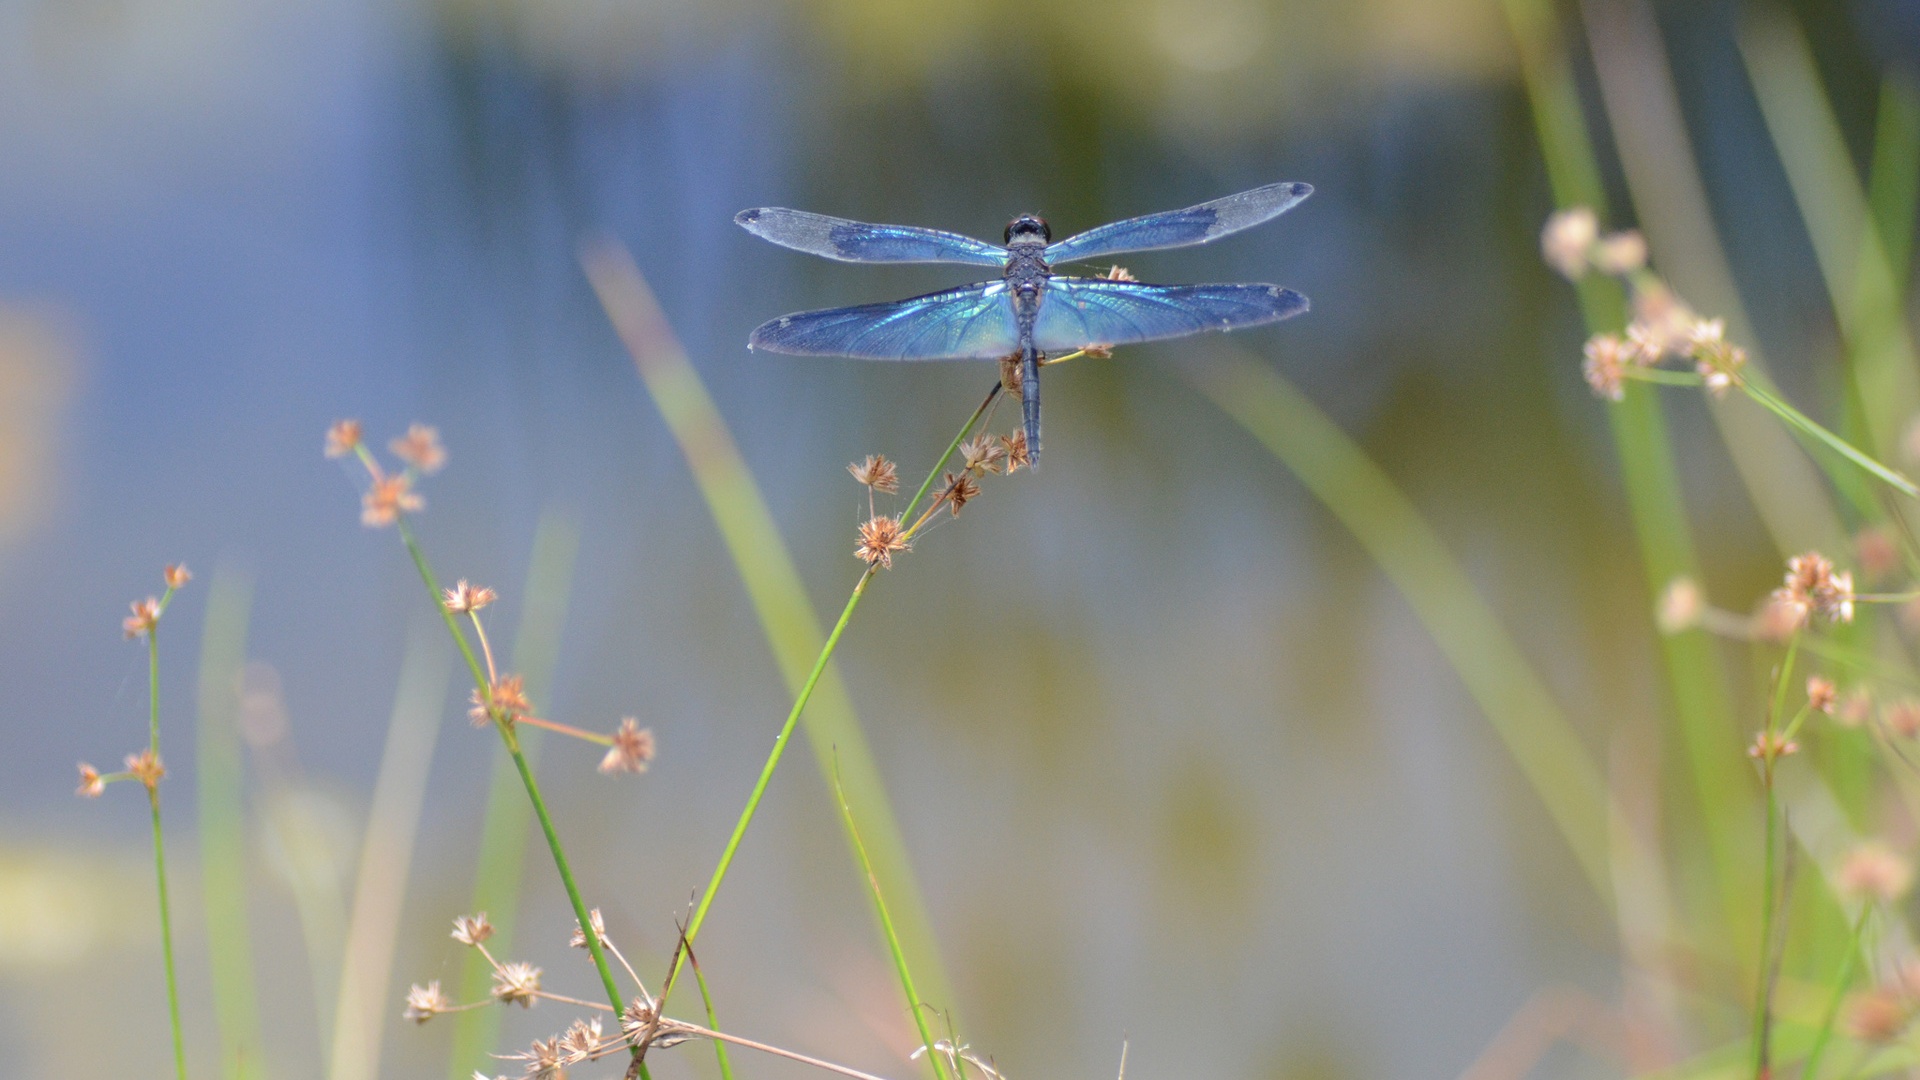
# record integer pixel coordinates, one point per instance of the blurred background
(1172, 759)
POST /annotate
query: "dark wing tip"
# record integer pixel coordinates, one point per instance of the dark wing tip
(1300, 191)
(748, 217)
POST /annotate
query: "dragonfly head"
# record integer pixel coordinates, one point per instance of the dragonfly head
(1027, 227)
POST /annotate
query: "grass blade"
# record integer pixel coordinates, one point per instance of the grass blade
(223, 826)
(386, 854)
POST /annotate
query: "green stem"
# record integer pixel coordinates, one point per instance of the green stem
(505, 728)
(159, 847)
(800, 703)
(1763, 996)
(713, 1022)
(893, 939)
(1798, 420)
(1811, 1071)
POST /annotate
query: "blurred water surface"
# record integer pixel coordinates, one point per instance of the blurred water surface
(1174, 762)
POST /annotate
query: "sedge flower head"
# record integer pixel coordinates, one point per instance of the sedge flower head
(545, 1060)
(177, 575)
(1873, 871)
(145, 766)
(1567, 240)
(1877, 551)
(983, 454)
(420, 447)
(880, 537)
(387, 499)
(1902, 718)
(91, 785)
(146, 615)
(1681, 606)
(506, 697)
(582, 1038)
(877, 473)
(464, 598)
(579, 939)
(1624, 252)
(343, 438)
(1016, 447)
(1605, 366)
(1768, 745)
(1821, 694)
(425, 1002)
(516, 982)
(960, 490)
(1875, 1016)
(1854, 709)
(1119, 273)
(472, 929)
(632, 748)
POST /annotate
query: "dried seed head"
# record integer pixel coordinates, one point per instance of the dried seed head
(1718, 361)
(1567, 240)
(425, 1002)
(90, 783)
(581, 1040)
(1681, 605)
(1605, 366)
(420, 447)
(342, 438)
(516, 982)
(880, 537)
(877, 473)
(1812, 581)
(387, 499)
(632, 748)
(1017, 457)
(1119, 273)
(1821, 694)
(545, 1060)
(472, 929)
(144, 766)
(983, 454)
(637, 1017)
(177, 575)
(1781, 616)
(960, 490)
(1621, 253)
(464, 597)
(146, 615)
(1874, 871)
(579, 939)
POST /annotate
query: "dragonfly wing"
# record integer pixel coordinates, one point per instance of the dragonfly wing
(856, 241)
(1077, 312)
(971, 322)
(1182, 228)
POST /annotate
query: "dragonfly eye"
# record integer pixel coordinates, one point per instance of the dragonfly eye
(1028, 225)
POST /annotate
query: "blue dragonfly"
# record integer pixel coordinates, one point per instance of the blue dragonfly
(1028, 312)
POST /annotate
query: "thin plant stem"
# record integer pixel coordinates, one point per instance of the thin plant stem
(800, 703)
(1763, 995)
(1804, 424)
(159, 844)
(682, 1027)
(1811, 1071)
(893, 939)
(526, 778)
(713, 1021)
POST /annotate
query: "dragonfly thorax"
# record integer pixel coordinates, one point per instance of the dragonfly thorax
(1029, 228)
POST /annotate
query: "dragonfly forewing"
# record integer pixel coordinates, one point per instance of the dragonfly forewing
(857, 241)
(1182, 228)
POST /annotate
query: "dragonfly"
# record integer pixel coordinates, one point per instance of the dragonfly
(1028, 312)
